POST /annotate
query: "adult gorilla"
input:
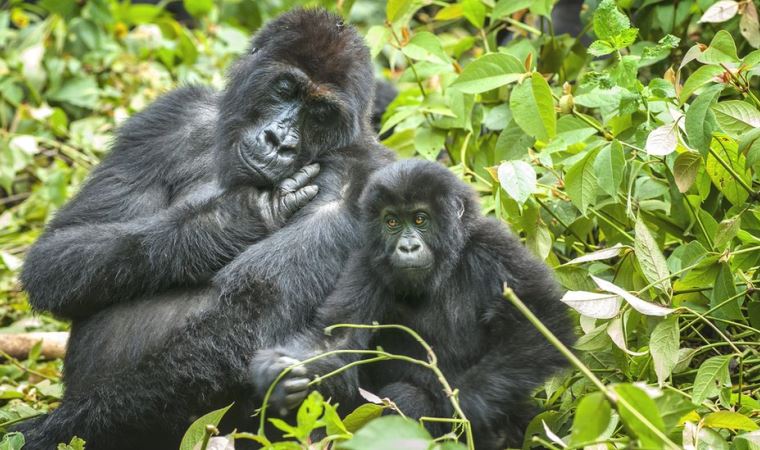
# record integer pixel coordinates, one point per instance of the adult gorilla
(432, 262)
(139, 371)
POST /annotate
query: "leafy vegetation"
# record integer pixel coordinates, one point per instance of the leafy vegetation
(629, 161)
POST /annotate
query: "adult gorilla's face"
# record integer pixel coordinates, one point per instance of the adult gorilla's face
(304, 90)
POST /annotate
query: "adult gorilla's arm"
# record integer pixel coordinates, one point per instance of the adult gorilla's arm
(122, 235)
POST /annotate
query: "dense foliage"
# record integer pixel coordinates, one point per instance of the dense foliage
(628, 158)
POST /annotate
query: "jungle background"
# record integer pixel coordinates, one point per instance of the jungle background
(627, 156)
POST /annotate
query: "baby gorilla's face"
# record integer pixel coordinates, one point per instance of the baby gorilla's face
(405, 231)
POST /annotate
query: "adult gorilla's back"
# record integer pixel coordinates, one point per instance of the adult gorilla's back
(138, 372)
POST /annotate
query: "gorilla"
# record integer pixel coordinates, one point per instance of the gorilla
(433, 263)
(173, 262)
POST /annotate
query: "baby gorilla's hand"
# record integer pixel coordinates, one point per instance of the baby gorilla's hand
(289, 196)
(292, 388)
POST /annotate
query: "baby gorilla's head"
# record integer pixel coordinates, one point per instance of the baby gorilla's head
(417, 217)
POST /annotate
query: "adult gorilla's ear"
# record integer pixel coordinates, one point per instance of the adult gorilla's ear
(254, 50)
(459, 207)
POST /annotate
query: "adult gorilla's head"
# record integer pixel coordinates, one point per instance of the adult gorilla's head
(305, 88)
(418, 218)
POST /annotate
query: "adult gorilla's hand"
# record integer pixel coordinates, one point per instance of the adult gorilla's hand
(292, 388)
(292, 194)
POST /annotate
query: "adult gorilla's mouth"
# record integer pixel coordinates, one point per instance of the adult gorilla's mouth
(246, 159)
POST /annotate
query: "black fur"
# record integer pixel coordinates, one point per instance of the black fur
(484, 346)
(167, 318)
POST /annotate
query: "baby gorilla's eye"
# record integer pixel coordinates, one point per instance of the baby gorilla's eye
(392, 222)
(420, 219)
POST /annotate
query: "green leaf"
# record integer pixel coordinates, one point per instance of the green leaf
(685, 169)
(609, 21)
(198, 8)
(489, 72)
(308, 415)
(505, 8)
(12, 441)
(700, 121)
(362, 415)
(429, 142)
(609, 166)
(396, 11)
(533, 108)
(75, 443)
(728, 151)
(724, 289)
(646, 407)
(736, 117)
(600, 48)
(752, 440)
(389, 432)
(81, 90)
(581, 182)
(591, 419)
(730, 420)
(711, 376)
(474, 11)
(699, 78)
(722, 49)
(197, 430)
(425, 46)
(749, 146)
(377, 36)
(663, 346)
(518, 179)
(727, 230)
(651, 260)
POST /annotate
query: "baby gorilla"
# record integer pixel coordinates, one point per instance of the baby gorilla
(433, 263)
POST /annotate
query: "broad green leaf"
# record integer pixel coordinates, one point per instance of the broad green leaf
(397, 10)
(646, 407)
(730, 420)
(518, 179)
(389, 432)
(609, 21)
(12, 441)
(728, 151)
(724, 289)
(722, 49)
(591, 418)
(533, 107)
(505, 8)
(700, 121)
(449, 12)
(377, 36)
(474, 11)
(197, 430)
(198, 8)
(429, 142)
(581, 182)
(609, 167)
(600, 48)
(700, 77)
(81, 90)
(663, 345)
(425, 46)
(605, 253)
(727, 230)
(512, 143)
(650, 258)
(591, 304)
(685, 169)
(749, 146)
(362, 415)
(570, 130)
(751, 439)
(736, 117)
(749, 25)
(711, 377)
(489, 72)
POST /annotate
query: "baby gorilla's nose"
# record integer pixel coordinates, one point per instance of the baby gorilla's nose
(409, 246)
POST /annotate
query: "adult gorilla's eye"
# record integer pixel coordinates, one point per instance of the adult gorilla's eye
(285, 87)
(392, 222)
(420, 219)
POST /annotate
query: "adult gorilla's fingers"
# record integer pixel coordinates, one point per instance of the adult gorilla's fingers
(292, 401)
(295, 385)
(300, 178)
(296, 200)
